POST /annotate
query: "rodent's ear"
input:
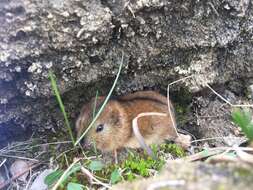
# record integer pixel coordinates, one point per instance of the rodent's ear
(115, 120)
(78, 126)
(83, 118)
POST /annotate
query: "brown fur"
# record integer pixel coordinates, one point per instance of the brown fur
(117, 118)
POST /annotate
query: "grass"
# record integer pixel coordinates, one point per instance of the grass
(243, 118)
(135, 165)
(95, 105)
(59, 100)
(104, 103)
(63, 176)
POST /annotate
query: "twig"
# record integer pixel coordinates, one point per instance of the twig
(7, 182)
(90, 176)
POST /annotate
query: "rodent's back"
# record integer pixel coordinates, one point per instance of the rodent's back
(145, 95)
(154, 129)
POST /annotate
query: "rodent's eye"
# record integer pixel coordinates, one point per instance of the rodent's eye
(99, 128)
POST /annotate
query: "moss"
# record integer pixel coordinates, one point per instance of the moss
(221, 187)
(173, 149)
(243, 172)
(135, 165)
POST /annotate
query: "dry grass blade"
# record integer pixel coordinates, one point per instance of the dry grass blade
(65, 174)
(211, 138)
(91, 177)
(225, 100)
(168, 100)
(104, 103)
(202, 155)
(138, 134)
(18, 157)
(2, 163)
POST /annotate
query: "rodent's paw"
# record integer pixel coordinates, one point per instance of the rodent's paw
(183, 140)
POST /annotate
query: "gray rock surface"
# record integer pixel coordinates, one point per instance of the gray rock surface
(197, 175)
(81, 42)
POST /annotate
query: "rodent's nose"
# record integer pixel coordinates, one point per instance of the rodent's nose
(85, 143)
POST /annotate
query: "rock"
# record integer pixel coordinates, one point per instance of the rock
(18, 167)
(38, 183)
(197, 175)
(213, 120)
(81, 42)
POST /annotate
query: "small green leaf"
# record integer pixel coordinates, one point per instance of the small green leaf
(232, 154)
(53, 177)
(115, 176)
(96, 165)
(74, 186)
(74, 169)
(205, 153)
(243, 117)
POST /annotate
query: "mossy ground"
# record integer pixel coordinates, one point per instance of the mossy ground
(135, 165)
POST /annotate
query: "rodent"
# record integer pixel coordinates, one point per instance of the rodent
(113, 128)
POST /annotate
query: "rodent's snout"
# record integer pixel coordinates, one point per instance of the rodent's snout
(86, 143)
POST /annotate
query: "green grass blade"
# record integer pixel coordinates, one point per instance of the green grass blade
(238, 118)
(104, 103)
(95, 105)
(75, 166)
(243, 119)
(58, 97)
(250, 131)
